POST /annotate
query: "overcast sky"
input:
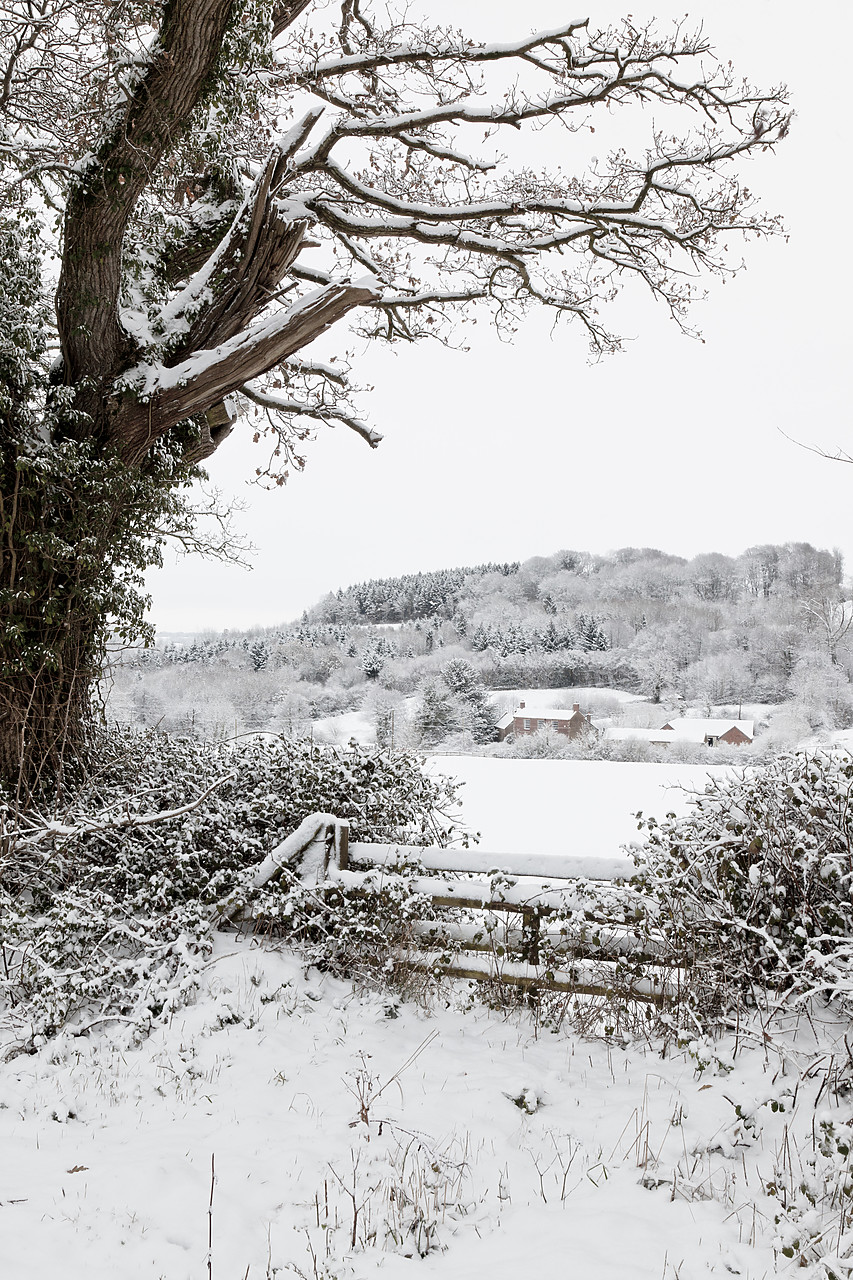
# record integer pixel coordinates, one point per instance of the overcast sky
(507, 451)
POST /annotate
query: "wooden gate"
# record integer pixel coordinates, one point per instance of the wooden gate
(526, 920)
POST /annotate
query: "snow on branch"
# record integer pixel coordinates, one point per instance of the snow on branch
(393, 185)
(186, 221)
(242, 273)
(445, 47)
(35, 833)
(306, 409)
(153, 398)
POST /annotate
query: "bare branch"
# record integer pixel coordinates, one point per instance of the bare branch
(39, 833)
(318, 412)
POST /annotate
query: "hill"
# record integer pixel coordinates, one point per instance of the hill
(767, 626)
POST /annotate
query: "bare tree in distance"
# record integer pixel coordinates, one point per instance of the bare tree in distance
(214, 184)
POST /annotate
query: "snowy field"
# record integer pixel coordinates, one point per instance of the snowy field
(350, 1134)
(567, 806)
(339, 730)
(354, 1135)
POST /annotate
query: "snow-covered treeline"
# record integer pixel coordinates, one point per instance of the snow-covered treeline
(414, 595)
(769, 625)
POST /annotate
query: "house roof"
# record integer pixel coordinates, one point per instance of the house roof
(690, 730)
(631, 734)
(543, 713)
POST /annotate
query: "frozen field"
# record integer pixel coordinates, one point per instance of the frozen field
(566, 806)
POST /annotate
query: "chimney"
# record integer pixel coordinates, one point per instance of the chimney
(521, 706)
(576, 707)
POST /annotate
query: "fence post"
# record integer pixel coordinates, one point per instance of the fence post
(530, 935)
(342, 844)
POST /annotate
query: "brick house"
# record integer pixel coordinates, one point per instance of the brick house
(530, 719)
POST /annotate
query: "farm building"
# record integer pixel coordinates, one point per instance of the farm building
(708, 733)
(530, 719)
(735, 733)
(655, 737)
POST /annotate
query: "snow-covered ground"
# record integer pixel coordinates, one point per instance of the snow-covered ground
(567, 806)
(339, 730)
(348, 1132)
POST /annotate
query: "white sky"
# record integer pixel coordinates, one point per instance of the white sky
(508, 451)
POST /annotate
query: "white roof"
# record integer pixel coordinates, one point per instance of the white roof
(544, 713)
(631, 734)
(689, 730)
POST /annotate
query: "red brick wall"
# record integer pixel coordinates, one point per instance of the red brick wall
(735, 737)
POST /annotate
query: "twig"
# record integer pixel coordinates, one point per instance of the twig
(210, 1218)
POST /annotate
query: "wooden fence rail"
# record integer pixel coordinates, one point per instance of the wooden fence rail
(508, 917)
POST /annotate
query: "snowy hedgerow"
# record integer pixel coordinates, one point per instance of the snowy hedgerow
(753, 888)
(107, 905)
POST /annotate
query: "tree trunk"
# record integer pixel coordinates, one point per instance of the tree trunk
(66, 526)
(45, 711)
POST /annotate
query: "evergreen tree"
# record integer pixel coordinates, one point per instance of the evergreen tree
(437, 714)
(258, 656)
(372, 660)
(477, 712)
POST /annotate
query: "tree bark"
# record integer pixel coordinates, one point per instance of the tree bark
(94, 345)
(44, 714)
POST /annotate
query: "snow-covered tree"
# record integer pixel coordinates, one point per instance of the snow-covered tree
(655, 667)
(221, 181)
(437, 714)
(478, 713)
(821, 691)
(372, 659)
(258, 656)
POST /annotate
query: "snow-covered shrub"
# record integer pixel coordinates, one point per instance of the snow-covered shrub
(753, 888)
(630, 750)
(547, 744)
(107, 905)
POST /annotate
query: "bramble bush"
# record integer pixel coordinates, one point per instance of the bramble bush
(754, 888)
(108, 905)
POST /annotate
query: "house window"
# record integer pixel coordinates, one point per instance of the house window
(527, 724)
(556, 725)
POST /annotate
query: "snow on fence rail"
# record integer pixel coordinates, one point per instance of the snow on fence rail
(515, 915)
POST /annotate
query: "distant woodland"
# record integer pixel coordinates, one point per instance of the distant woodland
(770, 626)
